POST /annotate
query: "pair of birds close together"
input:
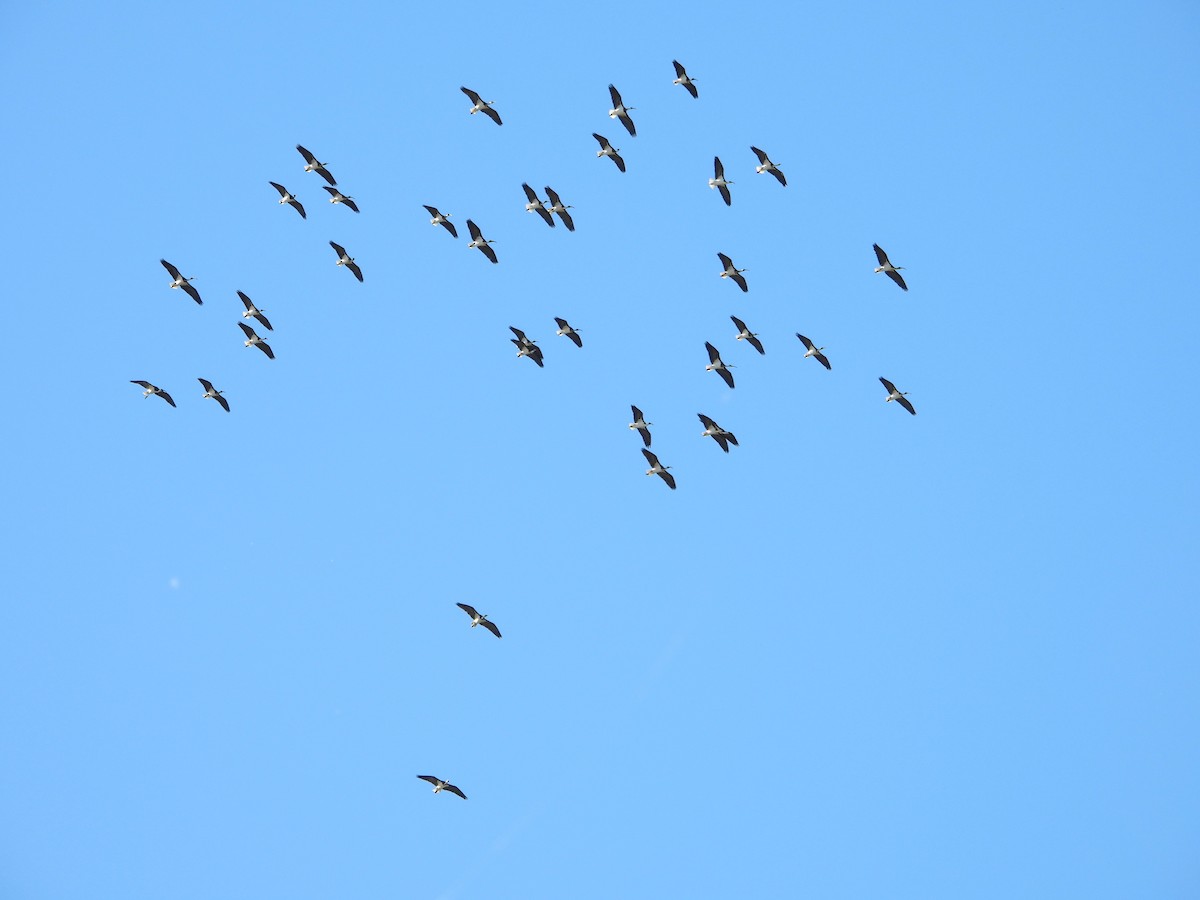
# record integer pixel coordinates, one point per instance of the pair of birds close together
(210, 392)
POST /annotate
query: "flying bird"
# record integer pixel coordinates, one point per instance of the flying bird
(745, 334)
(480, 243)
(253, 340)
(526, 347)
(336, 196)
(567, 331)
(640, 425)
(812, 350)
(731, 272)
(657, 468)
(439, 785)
(344, 259)
(719, 181)
(765, 165)
(178, 281)
(716, 432)
(621, 111)
(893, 394)
(479, 619)
(716, 365)
(287, 197)
(892, 272)
(153, 389)
(442, 219)
(483, 106)
(213, 393)
(556, 206)
(536, 205)
(606, 149)
(254, 311)
(312, 165)
(681, 77)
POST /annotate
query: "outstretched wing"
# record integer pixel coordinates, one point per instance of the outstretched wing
(808, 345)
(338, 249)
(490, 626)
(903, 401)
(891, 273)
(740, 281)
(891, 388)
(494, 116)
(726, 375)
(171, 270)
(616, 96)
(308, 157)
(468, 609)
(476, 234)
(454, 790)
(474, 97)
(167, 397)
(247, 330)
(192, 292)
(778, 175)
(353, 267)
(880, 255)
(207, 384)
(668, 478)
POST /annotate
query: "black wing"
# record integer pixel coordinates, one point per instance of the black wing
(891, 273)
(495, 117)
(192, 292)
(298, 206)
(668, 478)
(476, 234)
(779, 176)
(903, 401)
(207, 384)
(545, 214)
(471, 94)
(353, 267)
(713, 354)
(627, 121)
(616, 96)
(718, 169)
(490, 626)
(432, 210)
(224, 403)
(468, 609)
(430, 778)
(246, 301)
(326, 174)
(820, 357)
(454, 790)
(740, 281)
(722, 441)
(574, 336)
(167, 397)
(450, 227)
(725, 261)
(618, 161)
(247, 330)
(171, 270)
(604, 144)
(725, 194)
(891, 388)
(706, 421)
(691, 89)
(880, 255)
(283, 192)
(529, 192)
(308, 157)
(757, 345)
(808, 345)
(553, 195)
(726, 375)
(650, 458)
(489, 253)
(266, 348)
(266, 323)
(520, 335)
(144, 384)
(338, 249)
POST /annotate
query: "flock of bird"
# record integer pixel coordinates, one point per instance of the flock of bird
(547, 210)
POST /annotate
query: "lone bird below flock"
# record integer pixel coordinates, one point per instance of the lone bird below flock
(481, 105)
(566, 330)
(253, 340)
(657, 468)
(253, 311)
(153, 389)
(442, 219)
(311, 164)
(730, 272)
(814, 351)
(211, 392)
(178, 281)
(719, 181)
(336, 196)
(285, 196)
(681, 77)
(479, 242)
(621, 111)
(479, 619)
(556, 206)
(892, 272)
(345, 259)
(765, 165)
(640, 425)
(439, 785)
(606, 149)
(716, 365)
(745, 334)
(716, 432)
(536, 205)
(899, 397)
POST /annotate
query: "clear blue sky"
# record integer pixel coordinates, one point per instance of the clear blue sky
(864, 655)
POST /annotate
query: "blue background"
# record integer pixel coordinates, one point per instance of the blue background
(864, 655)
